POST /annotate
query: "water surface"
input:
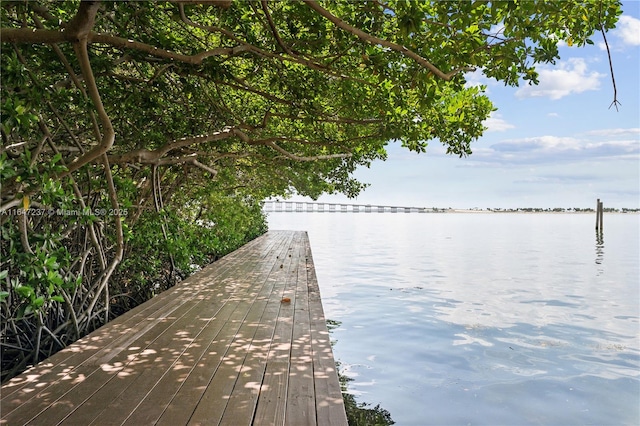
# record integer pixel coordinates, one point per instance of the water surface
(483, 318)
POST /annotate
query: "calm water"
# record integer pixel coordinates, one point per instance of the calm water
(498, 319)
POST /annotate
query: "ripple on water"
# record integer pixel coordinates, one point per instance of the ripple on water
(484, 319)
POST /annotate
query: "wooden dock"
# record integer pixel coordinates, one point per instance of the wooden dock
(220, 348)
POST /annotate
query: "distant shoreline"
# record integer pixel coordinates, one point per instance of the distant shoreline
(532, 211)
(459, 211)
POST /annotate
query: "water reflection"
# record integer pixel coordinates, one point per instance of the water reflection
(599, 247)
(358, 414)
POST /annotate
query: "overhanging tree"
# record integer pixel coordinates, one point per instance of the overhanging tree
(160, 126)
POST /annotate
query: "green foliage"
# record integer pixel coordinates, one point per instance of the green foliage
(213, 110)
(37, 279)
(195, 236)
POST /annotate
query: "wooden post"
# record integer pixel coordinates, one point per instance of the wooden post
(599, 215)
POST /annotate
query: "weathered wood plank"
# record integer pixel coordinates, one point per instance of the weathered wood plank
(189, 397)
(329, 403)
(300, 408)
(219, 348)
(243, 400)
(243, 359)
(151, 408)
(125, 390)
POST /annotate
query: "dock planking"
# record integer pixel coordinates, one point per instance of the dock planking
(220, 348)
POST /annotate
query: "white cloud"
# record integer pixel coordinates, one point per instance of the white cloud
(495, 123)
(633, 133)
(626, 33)
(620, 144)
(566, 78)
(553, 114)
(628, 29)
(539, 143)
(476, 78)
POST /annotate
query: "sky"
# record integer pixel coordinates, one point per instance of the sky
(557, 144)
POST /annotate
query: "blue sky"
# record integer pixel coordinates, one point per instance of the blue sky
(557, 144)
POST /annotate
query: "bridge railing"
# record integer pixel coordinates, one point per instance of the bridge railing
(278, 206)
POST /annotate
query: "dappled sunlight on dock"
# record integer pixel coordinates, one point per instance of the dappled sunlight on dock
(222, 347)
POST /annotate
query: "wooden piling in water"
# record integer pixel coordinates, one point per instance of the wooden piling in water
(599, 215)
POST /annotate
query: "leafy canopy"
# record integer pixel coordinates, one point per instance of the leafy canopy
(140, 137)
(272, 85)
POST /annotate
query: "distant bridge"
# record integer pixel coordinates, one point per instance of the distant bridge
(277, 206)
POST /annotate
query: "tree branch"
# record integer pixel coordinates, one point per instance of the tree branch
(615, 101)
(339, 120)
(108, 136)
(274, 30)
(197, 59)
(28, 35)
(382, 42)
(188, 159)
(224, 4)
(24, 233)
(312, 64)
(146, 156)
(303, 158)
(75, 30)
(119, 252)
